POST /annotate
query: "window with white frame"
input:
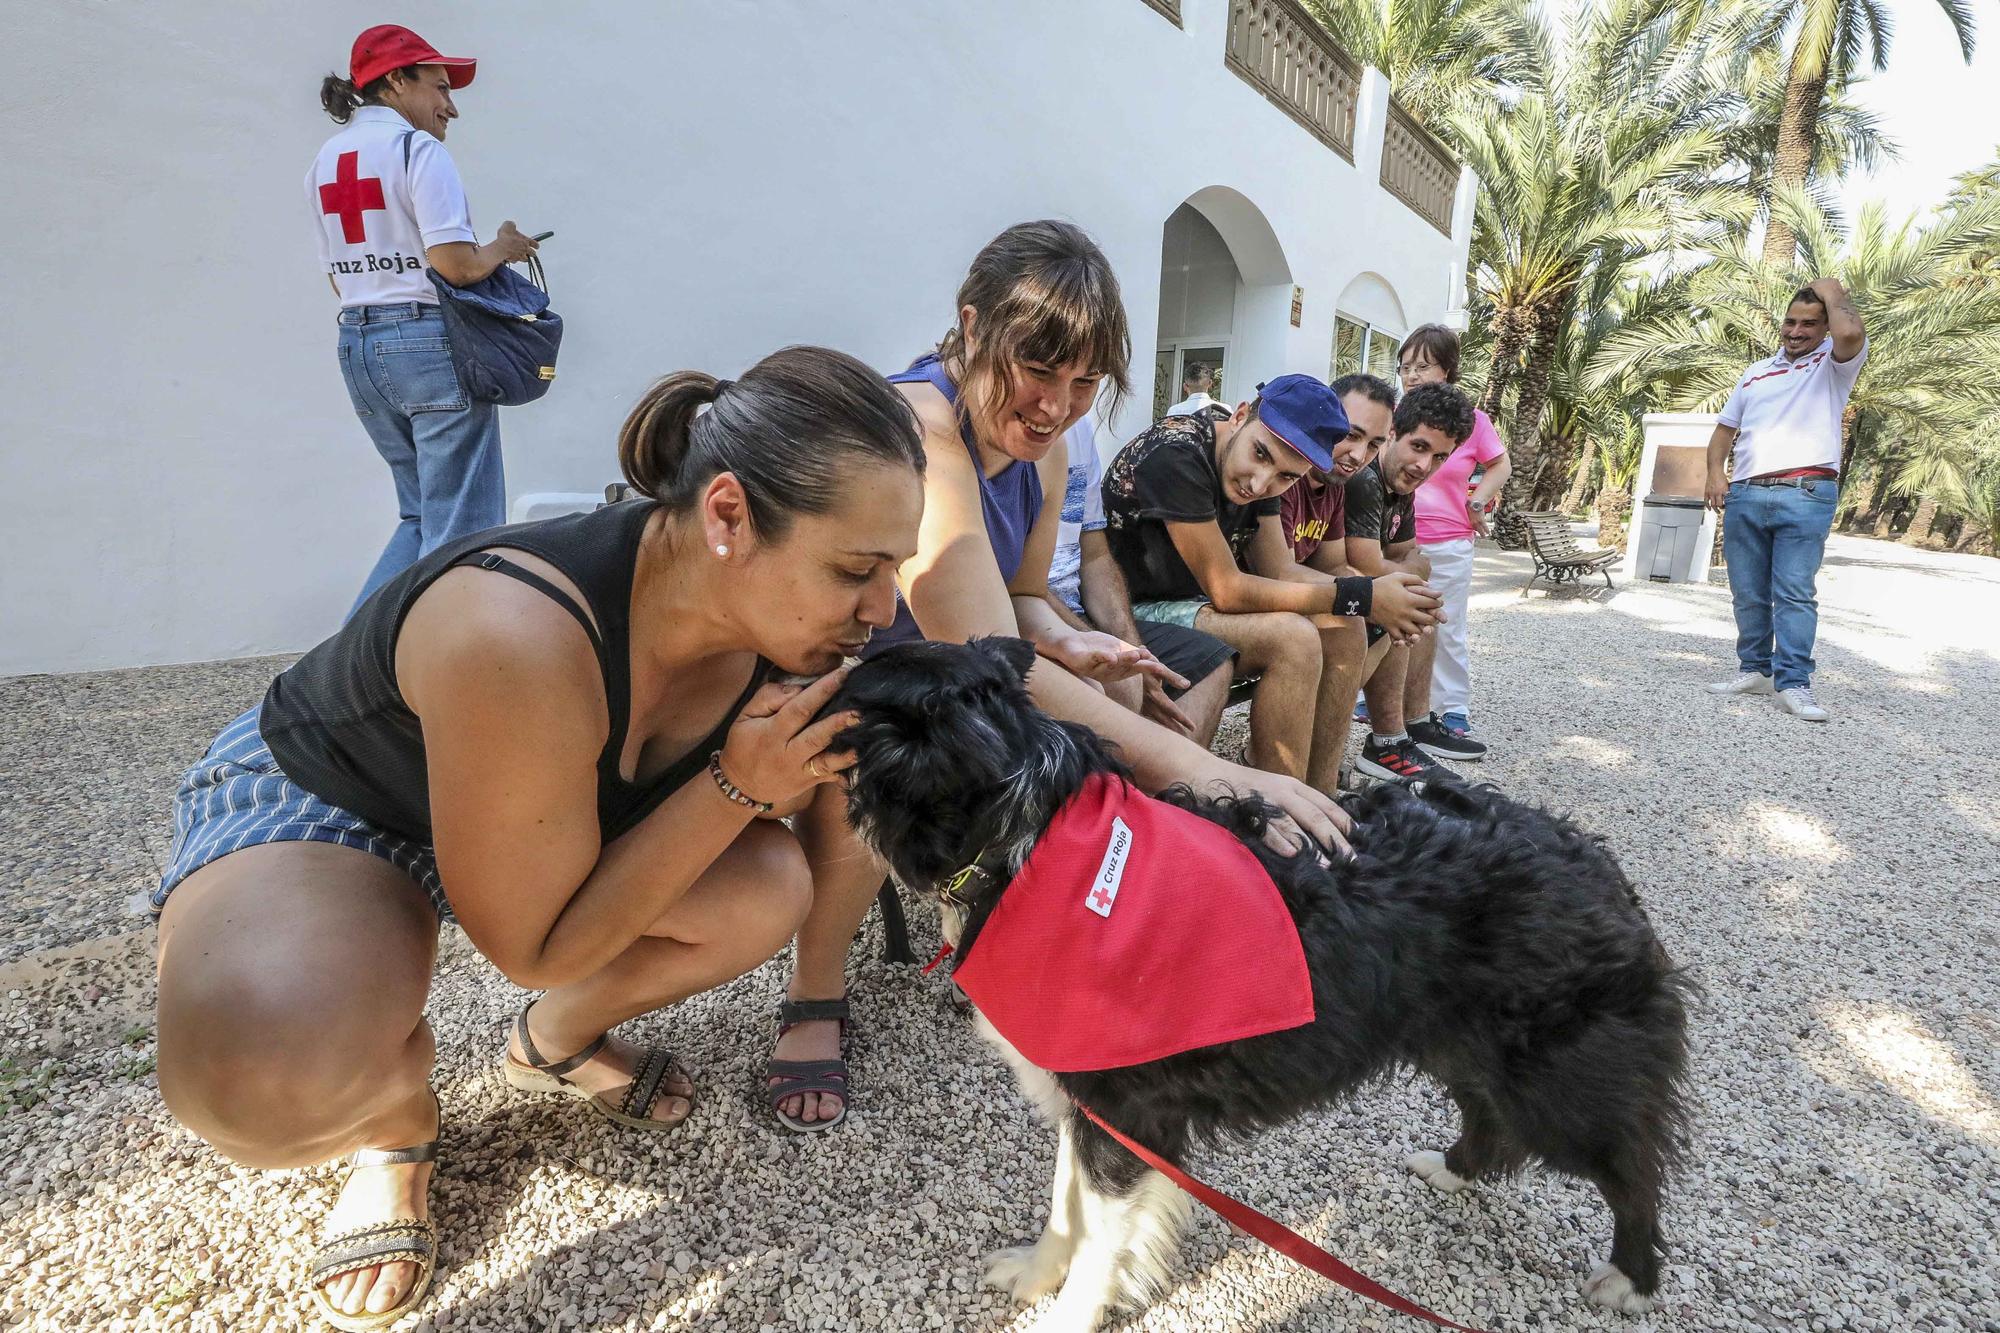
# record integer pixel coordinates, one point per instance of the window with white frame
(1361, 346)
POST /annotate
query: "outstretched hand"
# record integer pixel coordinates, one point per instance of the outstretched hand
(1095, 655)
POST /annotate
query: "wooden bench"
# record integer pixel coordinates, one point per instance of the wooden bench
(1558, 558)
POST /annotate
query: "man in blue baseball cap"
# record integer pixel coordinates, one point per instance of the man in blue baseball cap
(1191, 511)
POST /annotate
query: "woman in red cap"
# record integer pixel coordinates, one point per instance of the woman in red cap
(386, 201)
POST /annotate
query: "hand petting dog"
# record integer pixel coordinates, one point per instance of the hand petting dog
(775, 751)
(1307, 818)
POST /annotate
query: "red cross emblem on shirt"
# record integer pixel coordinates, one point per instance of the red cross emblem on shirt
(349, 196)
(1100, 898)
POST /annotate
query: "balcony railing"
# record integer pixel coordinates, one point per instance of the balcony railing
(1171, 8)
(1282, 52)
(1418, 170)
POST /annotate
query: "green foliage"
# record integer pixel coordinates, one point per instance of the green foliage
(23, 1087)
(1626, 150)
(1439, 54)
(1932, 384)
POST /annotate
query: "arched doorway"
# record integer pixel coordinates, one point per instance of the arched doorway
(1225, 297)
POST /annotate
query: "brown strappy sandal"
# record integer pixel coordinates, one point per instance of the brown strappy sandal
(801, 1076)
(405, 1240)
(655, 1063)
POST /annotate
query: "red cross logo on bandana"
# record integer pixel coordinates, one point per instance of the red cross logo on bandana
(350, 197)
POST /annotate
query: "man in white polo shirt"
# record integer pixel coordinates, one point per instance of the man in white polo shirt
(1784, 420)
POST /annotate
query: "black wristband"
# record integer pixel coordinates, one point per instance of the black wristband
(1353, 596)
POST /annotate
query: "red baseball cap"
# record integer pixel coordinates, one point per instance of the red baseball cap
(388, 46)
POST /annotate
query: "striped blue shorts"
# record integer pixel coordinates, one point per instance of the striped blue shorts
(236, 796)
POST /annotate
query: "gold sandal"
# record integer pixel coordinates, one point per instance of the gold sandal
(655, 1063)
(403, 1240)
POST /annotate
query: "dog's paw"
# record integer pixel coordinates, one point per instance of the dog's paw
(1609, 1287)
(1024, 1272)
(1429, 1167)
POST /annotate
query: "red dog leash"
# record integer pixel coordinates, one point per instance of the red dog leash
(1275, 1233)
(1269, 1230)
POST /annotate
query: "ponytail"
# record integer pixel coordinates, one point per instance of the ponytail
(338, 98)
(654, 441)
(792, 432)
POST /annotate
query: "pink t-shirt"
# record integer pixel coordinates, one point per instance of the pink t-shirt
(1441, 500)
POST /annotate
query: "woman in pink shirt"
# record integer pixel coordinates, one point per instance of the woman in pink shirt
(1450, 513)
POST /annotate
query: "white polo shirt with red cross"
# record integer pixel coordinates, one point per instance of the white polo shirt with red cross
(1787, 412)
(373, 218)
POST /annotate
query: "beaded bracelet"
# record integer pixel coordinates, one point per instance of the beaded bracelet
(731, 790)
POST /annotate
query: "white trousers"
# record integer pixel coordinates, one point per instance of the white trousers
(1451, 669)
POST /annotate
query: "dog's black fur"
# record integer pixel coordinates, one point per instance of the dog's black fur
(1489, 944)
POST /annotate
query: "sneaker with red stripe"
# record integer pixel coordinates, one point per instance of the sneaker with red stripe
(1400, 761)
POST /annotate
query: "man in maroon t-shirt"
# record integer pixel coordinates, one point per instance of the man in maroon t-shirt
(1314, 511)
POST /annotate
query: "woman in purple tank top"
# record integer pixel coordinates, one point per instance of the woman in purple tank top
(1040, 330)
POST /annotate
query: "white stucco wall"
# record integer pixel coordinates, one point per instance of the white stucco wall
(180, 474)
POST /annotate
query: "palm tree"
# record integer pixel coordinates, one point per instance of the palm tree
(1937, 470)
(1607, 155)
(1982, 518)
(1848, 138)
(1933, 319)
(1829, 40)
(1438, 54)
(1592, 427)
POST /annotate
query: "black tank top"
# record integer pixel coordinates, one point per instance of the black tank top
(336, 721)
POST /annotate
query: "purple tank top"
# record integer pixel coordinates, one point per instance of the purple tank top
(1010, 503)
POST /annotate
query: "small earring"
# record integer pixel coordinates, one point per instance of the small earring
(722, 550)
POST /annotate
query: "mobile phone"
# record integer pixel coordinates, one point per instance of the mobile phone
(541, 236)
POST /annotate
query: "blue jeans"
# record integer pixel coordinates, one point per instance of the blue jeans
(1773, 538)
(442, 449)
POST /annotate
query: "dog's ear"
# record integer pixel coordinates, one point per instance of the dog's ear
(1018, 655)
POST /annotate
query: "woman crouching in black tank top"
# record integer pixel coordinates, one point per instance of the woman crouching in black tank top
(517, 731)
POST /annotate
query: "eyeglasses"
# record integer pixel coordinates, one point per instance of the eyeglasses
(1412, 367)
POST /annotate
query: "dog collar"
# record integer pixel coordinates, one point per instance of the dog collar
(977, 875)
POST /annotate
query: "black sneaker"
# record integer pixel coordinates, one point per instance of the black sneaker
(1446, 740)
(1400, 761)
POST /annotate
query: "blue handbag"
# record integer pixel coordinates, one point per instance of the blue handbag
(503, 336)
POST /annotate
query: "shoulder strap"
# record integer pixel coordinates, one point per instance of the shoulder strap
(933, 371)
(501, 565)
(407, 136)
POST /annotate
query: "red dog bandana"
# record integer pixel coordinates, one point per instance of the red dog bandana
(1136, 930)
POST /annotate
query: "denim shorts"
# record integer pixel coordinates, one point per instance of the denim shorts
(236, 796)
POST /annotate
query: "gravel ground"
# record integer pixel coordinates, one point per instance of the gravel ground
(1832, 887)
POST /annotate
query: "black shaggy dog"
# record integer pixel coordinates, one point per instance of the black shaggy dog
(1493, 946)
